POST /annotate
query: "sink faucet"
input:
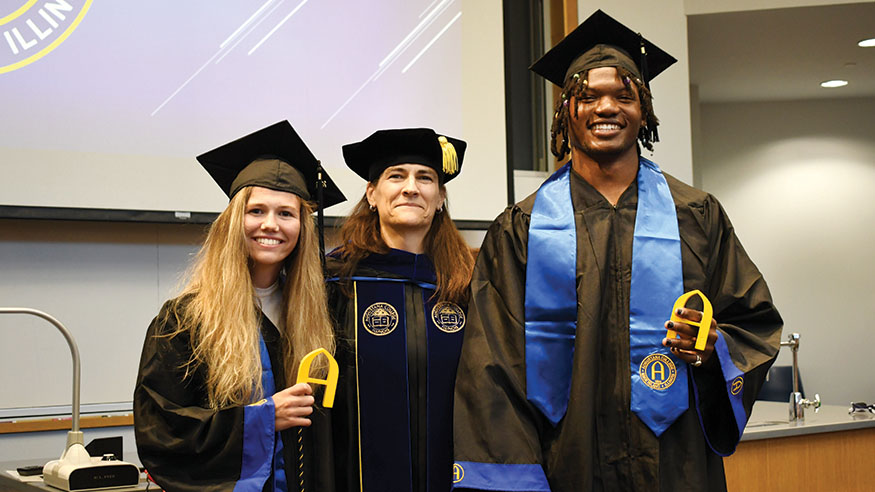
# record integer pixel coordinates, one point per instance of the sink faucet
(797, 403)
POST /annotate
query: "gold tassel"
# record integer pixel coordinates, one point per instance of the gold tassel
(450, 159)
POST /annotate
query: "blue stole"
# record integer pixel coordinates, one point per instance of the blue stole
(551, 296)
(659, 381)
(658, 396)
(262, 447)
(269, 388)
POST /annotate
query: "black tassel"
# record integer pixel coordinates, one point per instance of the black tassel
(643, 64)
(320, 216)
(654, 134)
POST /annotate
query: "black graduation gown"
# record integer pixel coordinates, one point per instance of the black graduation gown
(187, 446)
(600, 444)
(393, 414)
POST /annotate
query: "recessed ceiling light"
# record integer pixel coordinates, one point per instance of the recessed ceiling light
(834, 83)
(867, 43)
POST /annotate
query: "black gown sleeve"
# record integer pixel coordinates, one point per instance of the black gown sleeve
(497, 443)
(749, 328)
(184, 444)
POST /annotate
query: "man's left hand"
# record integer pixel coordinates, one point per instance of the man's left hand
(684, 347)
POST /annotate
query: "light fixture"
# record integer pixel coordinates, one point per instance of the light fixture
(867, 43)
(830, 84)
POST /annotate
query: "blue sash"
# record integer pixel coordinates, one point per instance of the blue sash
(262, 447)
(551, 300)
(551, 297)
(659, 380)
(269, 387)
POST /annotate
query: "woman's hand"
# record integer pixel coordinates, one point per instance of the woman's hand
(293, 405)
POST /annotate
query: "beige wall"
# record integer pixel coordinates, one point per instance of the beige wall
(796, 178)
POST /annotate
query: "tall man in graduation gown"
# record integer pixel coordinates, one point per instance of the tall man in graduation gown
(566, 380)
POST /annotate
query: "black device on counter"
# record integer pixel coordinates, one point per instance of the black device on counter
(29, 471)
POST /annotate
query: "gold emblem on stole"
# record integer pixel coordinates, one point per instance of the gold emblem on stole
(448, 317)
(657, 371)
(737, 385)
(380, 319)
(458, 473)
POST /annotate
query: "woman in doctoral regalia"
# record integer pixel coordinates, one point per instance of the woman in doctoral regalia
(215, 405)
(398, 289)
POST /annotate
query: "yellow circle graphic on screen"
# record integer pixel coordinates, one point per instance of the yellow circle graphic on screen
(32, 31)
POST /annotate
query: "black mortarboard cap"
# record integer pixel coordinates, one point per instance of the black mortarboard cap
(274, 157)
(385, 148)
(601, 41)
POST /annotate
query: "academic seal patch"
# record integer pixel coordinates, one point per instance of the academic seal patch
(380, 319)
(448, 317)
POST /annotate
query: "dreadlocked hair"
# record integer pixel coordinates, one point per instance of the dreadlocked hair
(575, 86)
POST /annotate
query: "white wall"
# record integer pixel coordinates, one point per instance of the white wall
(796, 180)
(482, 114)
(664, 23)
(104, 282)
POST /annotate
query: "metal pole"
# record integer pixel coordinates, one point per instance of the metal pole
(74, 351)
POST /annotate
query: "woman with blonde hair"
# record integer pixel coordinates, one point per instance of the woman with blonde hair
(215, 405)
(398, 287)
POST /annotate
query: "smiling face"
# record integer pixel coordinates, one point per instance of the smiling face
(608, 116)
(406, 197)
(272, 224)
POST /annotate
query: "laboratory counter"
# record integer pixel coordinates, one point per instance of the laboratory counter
(830, 450)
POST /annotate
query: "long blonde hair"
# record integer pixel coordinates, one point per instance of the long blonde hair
(217, 307)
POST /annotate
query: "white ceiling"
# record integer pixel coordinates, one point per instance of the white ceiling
(782, 54)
